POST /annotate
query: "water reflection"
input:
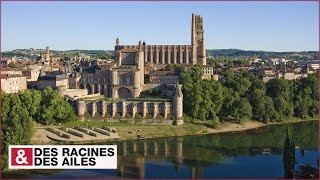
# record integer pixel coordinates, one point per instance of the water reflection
(288, 157)
(252, 154)
(197, 153)
(133, 154)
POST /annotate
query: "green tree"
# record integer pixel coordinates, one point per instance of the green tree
(263, 106)
(216, 95)
(54, 109)
(303, 103)
(280, 90)
(230, 97)
(241, 110)
(17, 125)
(12, 65)
(257, 100)
(269, 114)
(288, 157)
(305, 96)
(238, 83)
(31, 99)
(169, 67)
(192, 89)
(174, 67)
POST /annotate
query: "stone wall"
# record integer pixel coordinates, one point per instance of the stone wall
(132, 111)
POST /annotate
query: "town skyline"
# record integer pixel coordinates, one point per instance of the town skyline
(166, 83)
(66, 30)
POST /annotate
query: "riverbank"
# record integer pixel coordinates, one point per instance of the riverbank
(129, 131)
(234, 127)
(259, 144)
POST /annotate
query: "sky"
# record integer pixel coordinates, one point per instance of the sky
(268, 26)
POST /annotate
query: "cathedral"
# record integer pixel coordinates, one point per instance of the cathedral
(127, 94)
(175, 54)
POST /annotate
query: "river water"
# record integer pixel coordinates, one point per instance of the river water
(256, 153)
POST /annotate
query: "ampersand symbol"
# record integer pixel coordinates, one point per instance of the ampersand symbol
(20, 159)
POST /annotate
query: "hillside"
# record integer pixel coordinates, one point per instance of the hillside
(227, 53)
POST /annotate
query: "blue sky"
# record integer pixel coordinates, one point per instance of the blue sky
(269, 26)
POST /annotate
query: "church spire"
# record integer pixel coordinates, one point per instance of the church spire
(117, 41)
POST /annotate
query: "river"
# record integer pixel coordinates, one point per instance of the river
(256, 153)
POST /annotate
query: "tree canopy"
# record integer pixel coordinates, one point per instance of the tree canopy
(20, 110)
(244, 96)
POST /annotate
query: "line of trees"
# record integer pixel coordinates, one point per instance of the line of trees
(21, 110)
(243, 96)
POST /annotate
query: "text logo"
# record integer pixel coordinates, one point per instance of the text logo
(21, 157)
(62, 157)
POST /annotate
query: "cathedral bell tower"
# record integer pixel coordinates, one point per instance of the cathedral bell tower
(197, 40)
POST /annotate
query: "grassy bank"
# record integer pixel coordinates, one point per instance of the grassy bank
(129, 131)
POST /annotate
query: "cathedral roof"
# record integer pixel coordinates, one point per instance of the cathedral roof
(129, 50)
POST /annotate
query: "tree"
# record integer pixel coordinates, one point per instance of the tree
(17, 125)
(169, 67)
(288, 157)
(238, 83)
(305, 98)
(269, 114)
(257, 100)
(241, 110)
(174, 67)
(216, 95)
(255, 83)
(230, 97)
(12, 65)
(54, 108)
(280, 90)
(303, 103)
(192, 90)
(31, 99)
(263, 110)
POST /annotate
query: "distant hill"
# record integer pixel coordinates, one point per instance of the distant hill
(251, 53)
(109, 54)
(34, 53)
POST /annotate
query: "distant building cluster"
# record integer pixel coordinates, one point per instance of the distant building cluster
(270, 68)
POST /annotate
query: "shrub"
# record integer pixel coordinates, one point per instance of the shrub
(149, 116)
(107, 115)
(159, 116)
(127, 115)
(117, 115)
(138, 116)
(87, 114)
(215, 123)
(97, 115)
